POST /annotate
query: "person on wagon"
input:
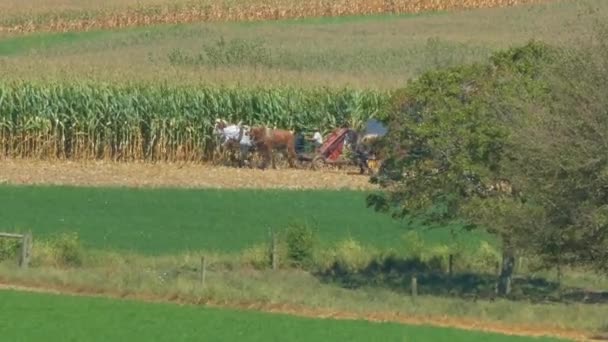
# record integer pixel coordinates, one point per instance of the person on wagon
(317, 140)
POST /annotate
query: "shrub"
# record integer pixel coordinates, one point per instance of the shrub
(66, 250)
(484, 259)
(351, 256)
(300, 239)
(414, 245)
(324, 259)
(9, 248)
(437, 257)
(257, 257)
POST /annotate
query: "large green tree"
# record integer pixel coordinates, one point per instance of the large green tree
(561, 149)
(518, 146)
(448, 156)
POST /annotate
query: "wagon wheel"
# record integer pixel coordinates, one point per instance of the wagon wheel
(317, 162)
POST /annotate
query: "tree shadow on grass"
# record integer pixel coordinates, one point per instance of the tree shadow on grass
(432, 279)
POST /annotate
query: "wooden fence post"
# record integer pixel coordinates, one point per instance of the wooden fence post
(559, 280)
(203, 271)
(275, 252)
(26, 248)
(497, 272)
(414, 286)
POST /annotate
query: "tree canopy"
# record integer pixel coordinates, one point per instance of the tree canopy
(516, 145)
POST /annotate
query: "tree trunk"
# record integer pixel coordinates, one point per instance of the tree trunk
(451, 265)
(506, 272)
(559, 277)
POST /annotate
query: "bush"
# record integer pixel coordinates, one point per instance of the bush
(258, 257)
(9, 248)
(66, 250)
(351, 256)
(437, 257)
(414, 245)
(484, 259)
(300, 239)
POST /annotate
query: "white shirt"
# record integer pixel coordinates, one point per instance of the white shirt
(318, 138)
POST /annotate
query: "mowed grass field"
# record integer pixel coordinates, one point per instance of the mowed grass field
(377, 51)
(44, 317)
(162, 221)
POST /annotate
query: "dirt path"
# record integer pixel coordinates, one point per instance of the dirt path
(393, 317)
(172, 175)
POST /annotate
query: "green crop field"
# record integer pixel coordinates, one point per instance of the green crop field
(88, 121)
(379, 51)
(163, 221)
(42, 317)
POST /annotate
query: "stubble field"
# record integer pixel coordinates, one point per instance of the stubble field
(176, 175)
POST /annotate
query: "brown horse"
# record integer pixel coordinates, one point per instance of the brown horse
(265, 140)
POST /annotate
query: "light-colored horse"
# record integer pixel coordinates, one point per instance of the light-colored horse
(233, 136)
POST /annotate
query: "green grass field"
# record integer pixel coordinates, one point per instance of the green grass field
(365, 52)
(41, 317)
(164, 221)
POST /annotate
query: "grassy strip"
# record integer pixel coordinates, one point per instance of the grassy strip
(43, 41)
(109, 320)
(344, 277)
(234, 279)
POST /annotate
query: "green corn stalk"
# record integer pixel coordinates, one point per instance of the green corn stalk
(159, 122)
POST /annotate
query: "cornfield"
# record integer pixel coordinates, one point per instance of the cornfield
(157, 122)
(226, 10)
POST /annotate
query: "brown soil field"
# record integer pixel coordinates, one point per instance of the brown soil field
(393, 317)
(173, 175)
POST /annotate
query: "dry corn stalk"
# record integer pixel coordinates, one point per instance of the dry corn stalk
(238, 11)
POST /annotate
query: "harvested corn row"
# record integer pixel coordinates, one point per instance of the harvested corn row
(213, 11)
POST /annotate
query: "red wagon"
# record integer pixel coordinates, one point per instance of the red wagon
(332, 149)
(332, 152)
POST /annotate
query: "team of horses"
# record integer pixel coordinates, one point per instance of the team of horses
(260, 139)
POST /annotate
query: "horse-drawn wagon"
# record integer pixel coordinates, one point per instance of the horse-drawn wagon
(343, 147)
(347, 147)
